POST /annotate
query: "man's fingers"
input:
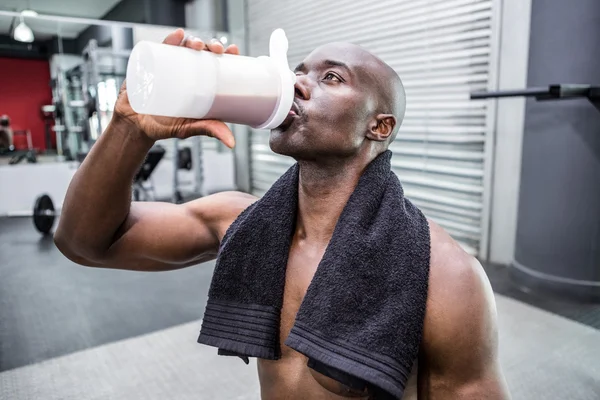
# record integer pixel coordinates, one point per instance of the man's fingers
(194, 43)
(212, 128)
(233, 49)
(175, 38)
(215, 46)
(178, 38)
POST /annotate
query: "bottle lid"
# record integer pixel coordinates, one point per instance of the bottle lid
(278, 47)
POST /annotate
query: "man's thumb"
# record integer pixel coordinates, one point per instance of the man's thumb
(212, 128)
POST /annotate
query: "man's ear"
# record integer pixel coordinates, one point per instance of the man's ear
(381, 127)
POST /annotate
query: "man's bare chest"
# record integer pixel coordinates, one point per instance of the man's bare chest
(303, 261)
(302, 265)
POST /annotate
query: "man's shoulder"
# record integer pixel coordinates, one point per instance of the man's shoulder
(450, 265)
(235, 196)
(459, 290)
(460, 339)
(220, 210)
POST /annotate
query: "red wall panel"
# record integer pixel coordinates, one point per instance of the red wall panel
(24, 88)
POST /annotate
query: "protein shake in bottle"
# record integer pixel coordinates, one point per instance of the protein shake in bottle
(175, 81)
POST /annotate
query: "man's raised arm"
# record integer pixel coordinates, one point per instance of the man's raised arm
(99, 225)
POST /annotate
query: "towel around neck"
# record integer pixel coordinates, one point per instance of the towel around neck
(361, 320)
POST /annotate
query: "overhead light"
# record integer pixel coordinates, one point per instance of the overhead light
(29, 13)
(22, 32)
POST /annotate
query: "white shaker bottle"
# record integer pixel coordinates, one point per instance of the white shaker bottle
(176, 81)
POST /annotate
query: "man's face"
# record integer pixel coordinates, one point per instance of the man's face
(333, 105)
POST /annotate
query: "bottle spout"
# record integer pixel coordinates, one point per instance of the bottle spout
(278, 48)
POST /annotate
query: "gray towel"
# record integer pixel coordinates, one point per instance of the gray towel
(361, 320)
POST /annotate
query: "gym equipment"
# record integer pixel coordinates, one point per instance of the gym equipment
(48, 112)
(552, 92)
(22, 148)
(140, 191)
(44, 214)
(22, 139)
(19, 156)
(185, 158)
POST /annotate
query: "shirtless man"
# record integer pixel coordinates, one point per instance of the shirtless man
(335, 137)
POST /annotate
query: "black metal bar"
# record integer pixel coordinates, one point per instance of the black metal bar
(530, 92)
(552, 92)
(570, 90)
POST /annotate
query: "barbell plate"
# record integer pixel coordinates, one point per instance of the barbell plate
(43, 214)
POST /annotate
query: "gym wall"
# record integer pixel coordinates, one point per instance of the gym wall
(558, 232)
(443, 50)
(25, 88)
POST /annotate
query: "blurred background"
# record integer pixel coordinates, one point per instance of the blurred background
(515, 180)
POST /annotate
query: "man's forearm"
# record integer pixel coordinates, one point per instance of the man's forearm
(99, 196)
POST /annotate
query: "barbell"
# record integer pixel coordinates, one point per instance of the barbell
(43, 214)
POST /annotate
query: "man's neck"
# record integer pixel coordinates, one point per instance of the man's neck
(323, 191)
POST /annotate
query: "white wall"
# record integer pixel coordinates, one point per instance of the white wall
(510, 116)
(22, 183)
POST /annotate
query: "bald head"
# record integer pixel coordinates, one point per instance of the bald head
(379, 78)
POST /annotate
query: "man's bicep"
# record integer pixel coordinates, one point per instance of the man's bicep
(459, 357)
(161, 236)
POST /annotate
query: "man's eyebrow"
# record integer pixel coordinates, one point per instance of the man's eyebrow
(334, 63)
(300, 68)
(328, 63)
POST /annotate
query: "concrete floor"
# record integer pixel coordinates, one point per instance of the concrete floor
(50, 306)
(69, 332)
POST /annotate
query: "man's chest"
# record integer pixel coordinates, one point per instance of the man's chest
(302, 264)
(303, 261)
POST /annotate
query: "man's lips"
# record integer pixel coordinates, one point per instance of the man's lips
(292, 115)
(295, 109)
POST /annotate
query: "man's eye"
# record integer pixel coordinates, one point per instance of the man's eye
(332, 77)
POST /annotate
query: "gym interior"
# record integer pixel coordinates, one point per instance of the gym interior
(500, 146)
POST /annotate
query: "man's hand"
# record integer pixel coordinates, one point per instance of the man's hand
(157, 128)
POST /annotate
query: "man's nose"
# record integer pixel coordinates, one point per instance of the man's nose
(302, 87)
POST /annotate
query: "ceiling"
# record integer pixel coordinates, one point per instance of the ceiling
(45, 29)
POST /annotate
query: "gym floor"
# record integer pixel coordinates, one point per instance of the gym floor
(68, 332)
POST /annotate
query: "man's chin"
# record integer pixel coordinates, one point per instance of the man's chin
(282, 142)
(290, 138)
(277, 143)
